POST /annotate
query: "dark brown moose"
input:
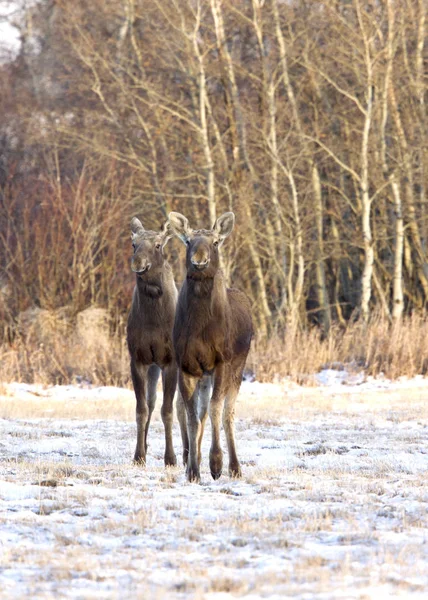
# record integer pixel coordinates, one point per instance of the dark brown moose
(149, 334)
(212, 336)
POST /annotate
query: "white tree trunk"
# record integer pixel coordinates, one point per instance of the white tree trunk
(323, 300)
(366, 279)
(397, 284)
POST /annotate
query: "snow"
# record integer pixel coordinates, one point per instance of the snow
(346, 382)
(333, 502)
(67, 392)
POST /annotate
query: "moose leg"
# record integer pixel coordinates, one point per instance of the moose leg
(204, 399)
(152, 381)
(229, 427)
(139, 379)
(169, 380)
(216, 410)
(189, 390)
(236, 371)
(181, 416)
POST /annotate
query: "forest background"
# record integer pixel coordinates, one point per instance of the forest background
(308, 119)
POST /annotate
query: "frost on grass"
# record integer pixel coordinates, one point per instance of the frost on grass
(332, 504)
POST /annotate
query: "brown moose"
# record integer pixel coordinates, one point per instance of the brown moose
(212, 336)
(149, 334)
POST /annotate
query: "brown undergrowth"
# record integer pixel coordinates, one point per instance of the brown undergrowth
(398, 349)
(52, 348)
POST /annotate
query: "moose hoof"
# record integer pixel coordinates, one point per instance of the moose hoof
(235, 471)
(216, 464)
(170, 460)
(140, 460)
(193, 475)
(216, 474)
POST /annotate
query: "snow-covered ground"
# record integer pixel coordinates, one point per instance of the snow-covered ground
(333, 502)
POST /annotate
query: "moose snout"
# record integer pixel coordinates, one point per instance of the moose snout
(140, 266)
(199, 262)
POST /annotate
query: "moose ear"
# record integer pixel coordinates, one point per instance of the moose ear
(136, 227)
(224, 225)
(180, 226)
(167, 233)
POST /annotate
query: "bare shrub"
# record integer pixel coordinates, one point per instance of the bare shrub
(38, 326)
(93, 328)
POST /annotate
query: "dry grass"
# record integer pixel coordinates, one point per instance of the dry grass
(396, 350)
(55, 348)
(39, 407)
(266, 408)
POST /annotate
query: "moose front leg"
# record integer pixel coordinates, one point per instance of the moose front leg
(169, 380)
(188, 386)
(139, 379)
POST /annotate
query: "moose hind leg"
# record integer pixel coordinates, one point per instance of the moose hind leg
(216, 411)
(139, 380)
(229, 428)
(169, 380)
(182, 420)
(152, 382)
(203, 402)
(189, 391)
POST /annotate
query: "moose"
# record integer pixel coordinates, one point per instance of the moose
(212, 335)
(149, 335)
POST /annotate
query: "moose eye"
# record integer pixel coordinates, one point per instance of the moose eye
(215, 244)
(158, 246)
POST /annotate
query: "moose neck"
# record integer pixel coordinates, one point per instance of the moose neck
(207, 297)
(150, 289)
(156, 292)
(200, 287)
